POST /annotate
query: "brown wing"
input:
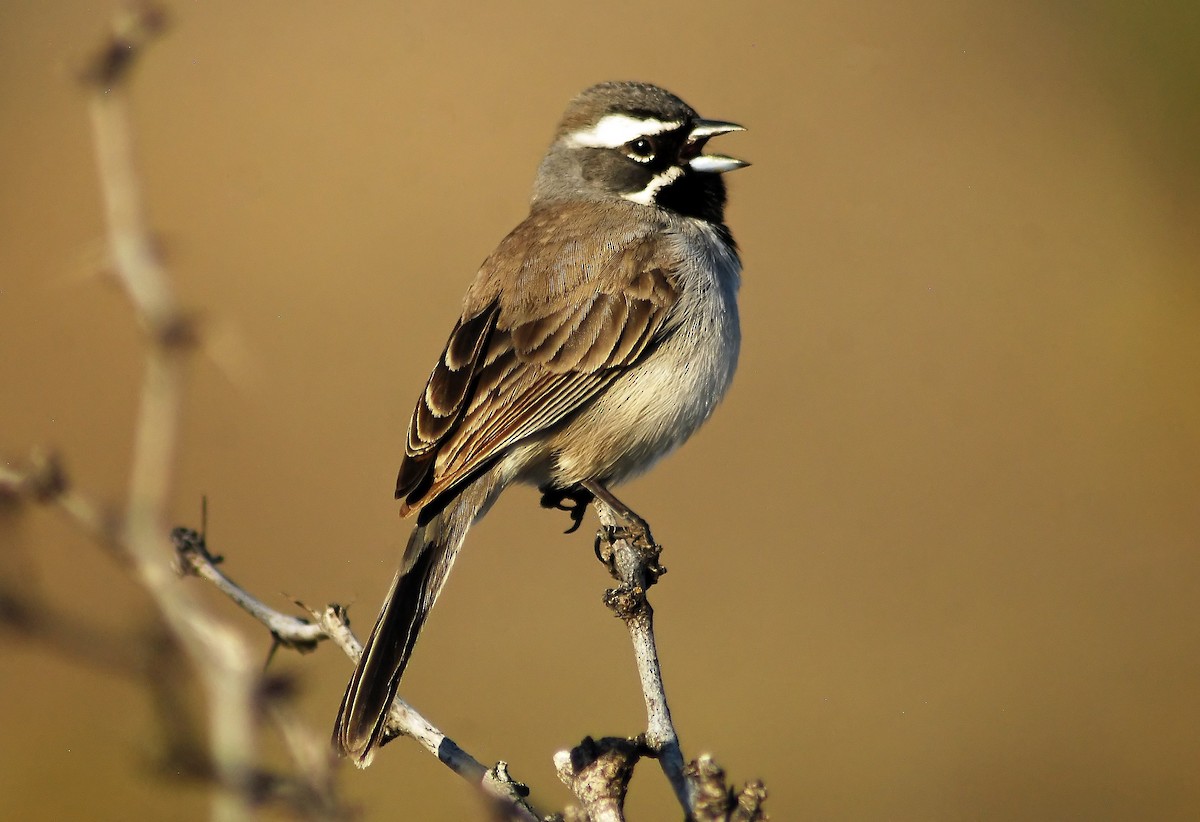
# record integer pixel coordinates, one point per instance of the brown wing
(547, 327)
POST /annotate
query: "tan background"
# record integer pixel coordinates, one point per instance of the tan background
(942, 536)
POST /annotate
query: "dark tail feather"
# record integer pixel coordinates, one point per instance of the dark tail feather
(431, 551)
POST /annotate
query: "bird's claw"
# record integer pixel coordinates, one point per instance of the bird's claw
(573, 500)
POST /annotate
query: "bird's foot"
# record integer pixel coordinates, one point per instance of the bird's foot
(635, 528)
(573, 500)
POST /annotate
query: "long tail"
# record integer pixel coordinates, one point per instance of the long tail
(431, 551)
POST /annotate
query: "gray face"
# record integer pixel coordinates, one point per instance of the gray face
(638, 143)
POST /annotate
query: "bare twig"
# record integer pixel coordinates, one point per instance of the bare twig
(632, 558)
(404, 720)
(194, 558)
(332, 623)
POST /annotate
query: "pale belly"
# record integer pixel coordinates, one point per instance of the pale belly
(655, 407)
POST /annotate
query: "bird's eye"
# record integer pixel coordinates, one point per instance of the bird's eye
(642, 149)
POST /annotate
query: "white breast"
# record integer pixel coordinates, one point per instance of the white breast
(653, 408)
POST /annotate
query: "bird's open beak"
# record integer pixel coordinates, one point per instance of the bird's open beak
(710, 163)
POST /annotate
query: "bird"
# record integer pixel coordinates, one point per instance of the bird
(595, 339)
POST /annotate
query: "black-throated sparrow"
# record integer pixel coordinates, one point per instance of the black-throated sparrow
(596, 338)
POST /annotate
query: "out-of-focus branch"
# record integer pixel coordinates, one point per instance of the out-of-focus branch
(219, 654)
(136, 262)
(26, 615)
(137, 537)
(44, 480)
(332, 623)
(151, 658)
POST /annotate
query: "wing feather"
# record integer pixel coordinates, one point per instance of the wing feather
(547, 326)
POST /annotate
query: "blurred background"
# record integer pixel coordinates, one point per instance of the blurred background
(934, 558)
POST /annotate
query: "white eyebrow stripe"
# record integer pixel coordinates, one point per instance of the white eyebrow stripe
(615, 130)
(647, 195)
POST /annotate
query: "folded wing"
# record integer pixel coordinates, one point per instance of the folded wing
(588, 310)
